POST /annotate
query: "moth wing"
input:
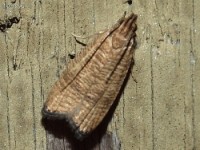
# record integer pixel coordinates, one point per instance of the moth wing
(57, 94)
(100, 108)
(90, 84)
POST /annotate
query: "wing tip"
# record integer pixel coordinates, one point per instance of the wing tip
(79, 135)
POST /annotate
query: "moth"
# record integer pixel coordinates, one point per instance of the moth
(92, 80)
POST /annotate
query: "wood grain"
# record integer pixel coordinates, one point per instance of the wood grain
(159, 111)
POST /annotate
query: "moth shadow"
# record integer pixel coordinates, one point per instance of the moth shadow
(59, 135)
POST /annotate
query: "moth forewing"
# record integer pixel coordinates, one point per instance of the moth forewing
(87, 89)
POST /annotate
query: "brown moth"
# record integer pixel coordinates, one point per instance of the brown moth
(90, 84)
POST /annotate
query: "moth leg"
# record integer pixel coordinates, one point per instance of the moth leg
(79, 36)
(94, 36)
(73, 54)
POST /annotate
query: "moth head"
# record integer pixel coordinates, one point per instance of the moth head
(125, 32)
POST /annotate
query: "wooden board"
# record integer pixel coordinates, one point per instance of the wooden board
(159, 111)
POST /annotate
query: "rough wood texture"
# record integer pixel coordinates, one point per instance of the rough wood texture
(159, 111)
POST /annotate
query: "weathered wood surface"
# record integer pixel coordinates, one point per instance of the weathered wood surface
(159, 111)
